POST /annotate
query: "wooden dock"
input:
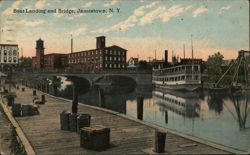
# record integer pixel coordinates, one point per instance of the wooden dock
(127, 136)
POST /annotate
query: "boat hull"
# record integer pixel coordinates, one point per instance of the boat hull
(187, 87)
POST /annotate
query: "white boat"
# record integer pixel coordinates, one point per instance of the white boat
(185, 75)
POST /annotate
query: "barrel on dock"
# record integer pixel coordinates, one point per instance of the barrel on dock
(43, 98)
(64, 120)
(73, 122)
(83, 120)
(10, 100)
(96, 137)
(16, 110)
(34, 93)
(159, 141)
(25, 110)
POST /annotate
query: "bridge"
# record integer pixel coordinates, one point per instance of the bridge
(140, 77)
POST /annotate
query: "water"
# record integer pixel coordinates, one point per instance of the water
(208, 115)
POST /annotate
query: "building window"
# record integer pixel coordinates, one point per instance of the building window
(110, 65)
(106, 58)
(114, 52)
(110, 58)
(114, 58)
(119, 59)
(106, 51)
(119, 53)
(5, 52)
(106, 65)
(119, 66)
(14, 52)
(110, 52)
(122, 58)
(100, 51)
(10, 59)
(114, 65)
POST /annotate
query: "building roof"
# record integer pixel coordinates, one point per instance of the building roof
(8, 44)
(135, 59)
(56, 54)
(113, 46)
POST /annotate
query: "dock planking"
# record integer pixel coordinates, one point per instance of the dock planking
(127, 136)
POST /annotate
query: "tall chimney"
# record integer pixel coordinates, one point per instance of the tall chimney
(100, 42)
(71, 44)
(166, 56)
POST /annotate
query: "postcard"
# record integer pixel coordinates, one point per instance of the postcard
(124, 77)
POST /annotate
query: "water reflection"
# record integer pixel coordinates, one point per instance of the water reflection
(214, 116)
(241, 104)
(215, 101)
(187, 106)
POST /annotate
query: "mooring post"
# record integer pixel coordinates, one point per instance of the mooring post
(75, 100)
(159, 141)
(101, 99)
(34, 92)
(166, 117)
(43, 98)
(140, 107)
(47, 88)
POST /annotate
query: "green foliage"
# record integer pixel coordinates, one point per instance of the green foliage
(143, 65)
(25, 62)
(213, 65)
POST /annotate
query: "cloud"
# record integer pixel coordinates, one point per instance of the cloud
(129, 22)
(113, 2)
(163, 14)
(9, 10)
(87, 5)
(224, 8)
(40, 4)
(30, 23)
(140, 17)
(78, 31)
(140, 11)
(174, 11)
(149, 17)
(200, 11)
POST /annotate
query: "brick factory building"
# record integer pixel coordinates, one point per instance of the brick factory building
(112, 57)
(55, 61)
(48, 61)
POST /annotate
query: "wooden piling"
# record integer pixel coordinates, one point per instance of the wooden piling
(75, 101)
(159, 141)
(140, 107)
(43, 98)
(166, 117)
(34, 92)
(101, 98)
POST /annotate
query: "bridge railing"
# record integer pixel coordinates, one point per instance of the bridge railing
(75, 71)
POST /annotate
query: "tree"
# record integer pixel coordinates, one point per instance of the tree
(25, 62)
(143, 65)
(213, 65)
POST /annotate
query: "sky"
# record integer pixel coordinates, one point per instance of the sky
(143, 27)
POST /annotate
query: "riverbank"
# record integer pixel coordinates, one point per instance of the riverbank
(128, 136)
